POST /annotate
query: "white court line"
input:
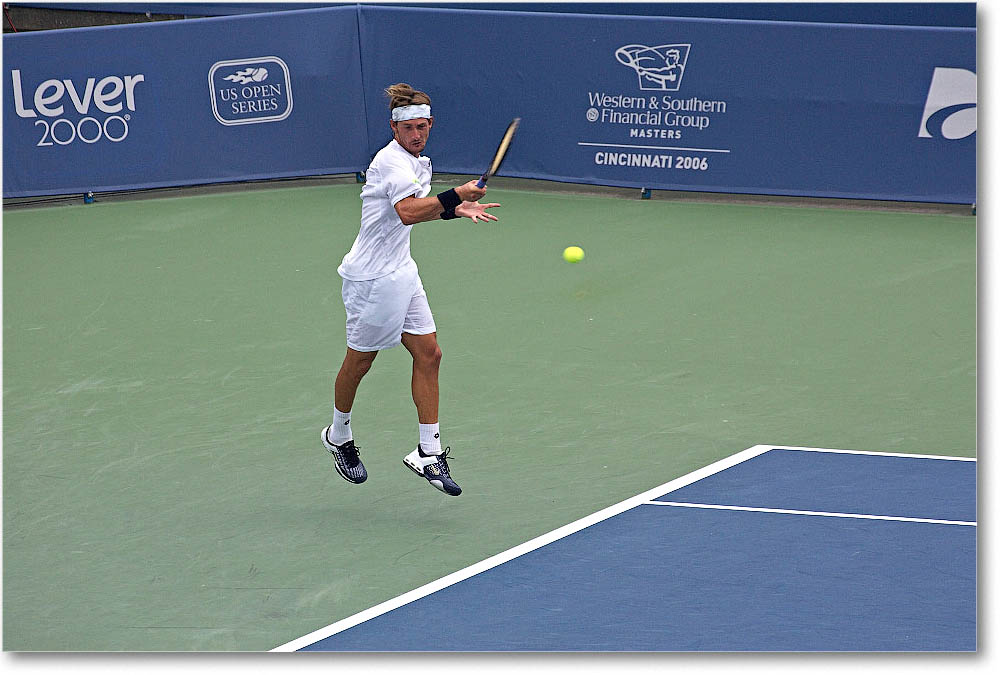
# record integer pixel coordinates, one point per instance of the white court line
(554, 535)
(831, 514)
(521, 549)
(865, 452)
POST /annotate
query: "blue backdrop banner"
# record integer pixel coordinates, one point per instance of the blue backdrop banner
(760, 107)
(888, 13)
(827, 110)
(180, 103)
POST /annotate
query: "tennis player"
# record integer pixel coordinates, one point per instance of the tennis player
(383, 295)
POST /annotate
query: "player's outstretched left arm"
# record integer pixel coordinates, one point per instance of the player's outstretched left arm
(476, 211)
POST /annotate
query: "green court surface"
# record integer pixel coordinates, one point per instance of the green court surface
(168, 365)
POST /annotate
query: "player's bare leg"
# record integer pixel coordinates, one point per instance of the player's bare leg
(428, 459)
(338, 438)
(356, 365)
(424, 384)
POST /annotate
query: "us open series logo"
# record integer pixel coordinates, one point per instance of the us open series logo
(250, 91)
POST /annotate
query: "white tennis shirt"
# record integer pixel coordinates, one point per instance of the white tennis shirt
(383, 244)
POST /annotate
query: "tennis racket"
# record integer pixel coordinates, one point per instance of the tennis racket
(508, 136)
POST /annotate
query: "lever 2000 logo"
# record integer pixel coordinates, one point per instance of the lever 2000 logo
(70, 110)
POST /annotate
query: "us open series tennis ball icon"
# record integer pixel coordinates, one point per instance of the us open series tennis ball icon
(573, 254)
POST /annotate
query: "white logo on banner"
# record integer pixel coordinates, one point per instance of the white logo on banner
(248, 75)
(57, 99)
(629, 129)
(950, 110)
(658, 68)
(250, 91)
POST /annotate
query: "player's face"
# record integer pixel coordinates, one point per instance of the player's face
(412, 134)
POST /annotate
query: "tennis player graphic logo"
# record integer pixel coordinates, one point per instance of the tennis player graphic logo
(658, 68)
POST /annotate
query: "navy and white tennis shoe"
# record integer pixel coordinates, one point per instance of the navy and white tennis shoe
(347, 459)
(434, 468)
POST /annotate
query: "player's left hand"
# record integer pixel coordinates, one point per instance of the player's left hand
(476, 211)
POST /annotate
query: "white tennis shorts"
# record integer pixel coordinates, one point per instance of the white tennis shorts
(380, 310)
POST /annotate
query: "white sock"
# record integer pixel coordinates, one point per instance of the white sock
(340, 430)
(430, 439)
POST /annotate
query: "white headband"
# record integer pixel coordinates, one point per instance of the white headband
(410, 112)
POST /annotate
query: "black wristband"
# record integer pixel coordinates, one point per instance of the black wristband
(449, 199)
(449, 214)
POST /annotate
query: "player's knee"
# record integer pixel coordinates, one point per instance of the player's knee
(359, 366)
(362, 368)
(430, 357)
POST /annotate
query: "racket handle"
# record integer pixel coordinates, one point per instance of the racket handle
(482, 182)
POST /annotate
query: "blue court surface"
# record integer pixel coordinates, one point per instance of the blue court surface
(772, 549)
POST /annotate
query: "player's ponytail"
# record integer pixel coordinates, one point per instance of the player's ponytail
(403, 94)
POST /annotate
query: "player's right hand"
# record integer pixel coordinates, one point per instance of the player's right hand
(471, 192)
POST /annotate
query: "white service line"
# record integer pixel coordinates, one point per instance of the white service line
(866, 452)
(521, 549)
(724, 507)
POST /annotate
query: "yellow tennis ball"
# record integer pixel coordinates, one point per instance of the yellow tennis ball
(573, 254)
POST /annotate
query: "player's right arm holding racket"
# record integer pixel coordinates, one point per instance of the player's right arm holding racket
(459, 202)
(411, 134)
(470, 206)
